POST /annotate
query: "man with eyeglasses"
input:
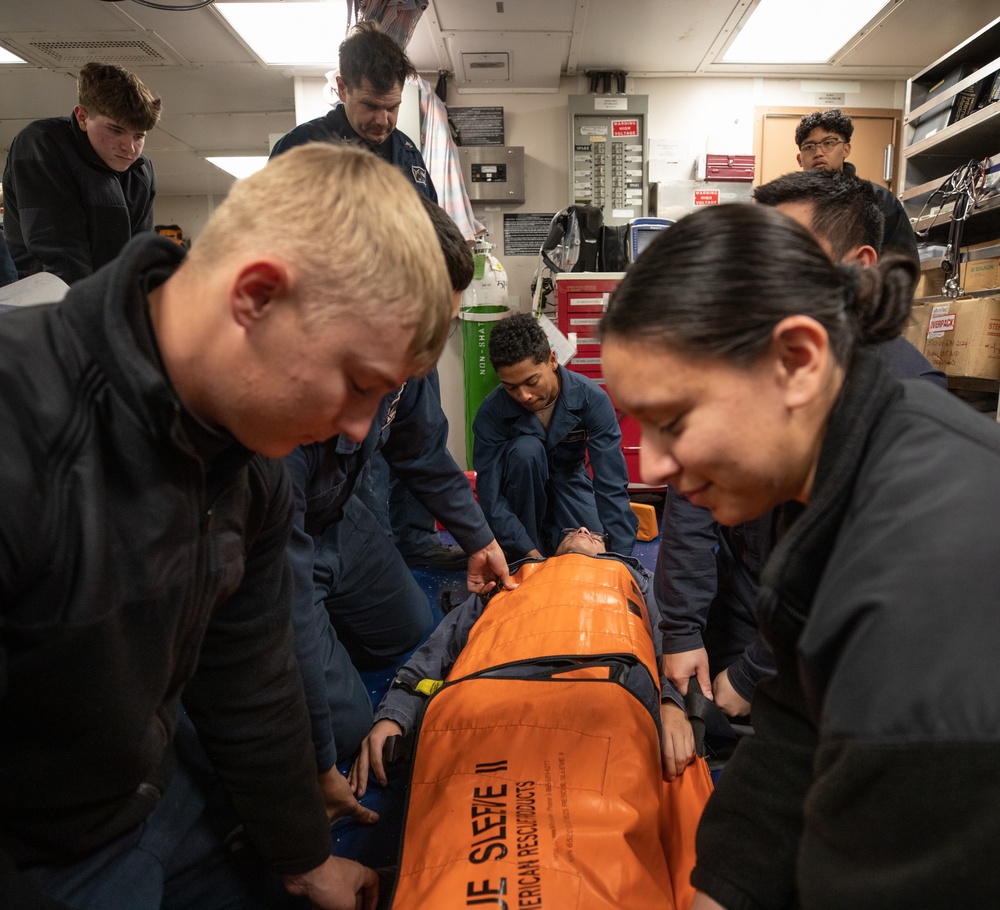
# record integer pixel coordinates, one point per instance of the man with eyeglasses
(824, 141)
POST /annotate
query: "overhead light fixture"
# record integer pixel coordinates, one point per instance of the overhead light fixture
(7, 58)
(239, 165)
(290, 34)
(778, 31)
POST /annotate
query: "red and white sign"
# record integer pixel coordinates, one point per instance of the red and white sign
(706, 197)
(939, 324)
(624, 128)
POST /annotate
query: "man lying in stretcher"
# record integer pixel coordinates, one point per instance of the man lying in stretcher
(416, 680)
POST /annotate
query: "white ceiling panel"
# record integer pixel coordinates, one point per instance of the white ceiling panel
(222, 133)
(70, 50)
(535, 59)
(509, 15)
(185, 173)
(57, 16)
(240, 88)
(669, 36)
(27, 93)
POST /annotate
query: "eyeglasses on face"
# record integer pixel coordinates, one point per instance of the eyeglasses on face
(828, 145)
(604, 538)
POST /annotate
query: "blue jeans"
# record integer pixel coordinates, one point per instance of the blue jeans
(176, 859)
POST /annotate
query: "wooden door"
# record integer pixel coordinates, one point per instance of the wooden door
(874, 131)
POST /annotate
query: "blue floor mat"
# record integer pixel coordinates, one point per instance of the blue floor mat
(377, 845)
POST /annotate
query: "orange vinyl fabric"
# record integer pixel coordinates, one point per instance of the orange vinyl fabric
(571, 605)
(648, 527)
(547, 793)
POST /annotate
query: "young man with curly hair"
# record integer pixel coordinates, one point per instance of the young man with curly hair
(824, 142)
(547, 449)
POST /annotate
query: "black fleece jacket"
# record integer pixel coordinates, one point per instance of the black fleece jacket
(141, 555)
(65, 211)
(871, 781)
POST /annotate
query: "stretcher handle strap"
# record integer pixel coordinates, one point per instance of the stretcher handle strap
(706, 717)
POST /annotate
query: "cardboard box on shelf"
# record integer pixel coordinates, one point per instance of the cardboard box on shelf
(963, 337)
(981, 274)
(930, 283)
(977, 274)
(915, 330)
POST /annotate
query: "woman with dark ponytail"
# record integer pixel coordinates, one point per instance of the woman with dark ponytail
(871, 781)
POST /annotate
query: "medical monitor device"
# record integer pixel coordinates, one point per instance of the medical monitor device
(641, 233)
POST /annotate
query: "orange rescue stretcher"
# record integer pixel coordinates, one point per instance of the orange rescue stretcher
(536, 781)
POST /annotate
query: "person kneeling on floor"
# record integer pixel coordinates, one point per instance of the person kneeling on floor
(548, 449)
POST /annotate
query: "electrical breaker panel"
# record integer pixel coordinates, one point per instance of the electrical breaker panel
(608, 167)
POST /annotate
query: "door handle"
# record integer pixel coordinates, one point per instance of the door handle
(887, 163)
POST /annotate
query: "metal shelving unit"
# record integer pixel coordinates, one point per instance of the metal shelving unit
(929, 161)
(985, 219)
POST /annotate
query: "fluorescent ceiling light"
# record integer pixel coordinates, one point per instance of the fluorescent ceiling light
(782, 31)
(7, 57)
(239, 165)
(290, 34)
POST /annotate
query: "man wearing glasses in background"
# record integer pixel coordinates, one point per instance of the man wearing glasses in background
(824, 141)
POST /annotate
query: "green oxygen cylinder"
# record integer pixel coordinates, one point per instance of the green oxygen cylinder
(484, 303)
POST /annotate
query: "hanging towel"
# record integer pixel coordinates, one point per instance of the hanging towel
(441, 158)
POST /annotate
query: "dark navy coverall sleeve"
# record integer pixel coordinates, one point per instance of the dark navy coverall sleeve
(416, 449)
(432, 660)
(686, 578)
